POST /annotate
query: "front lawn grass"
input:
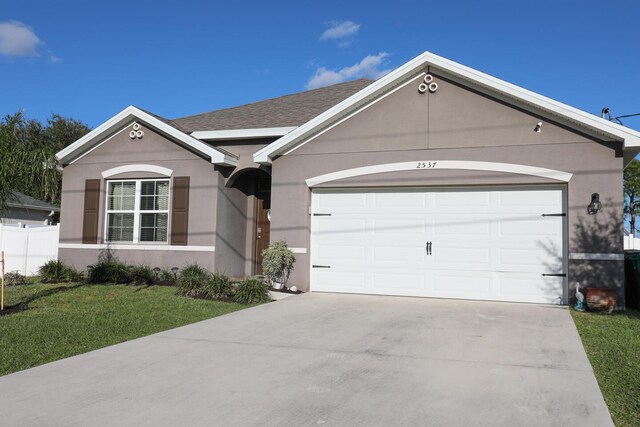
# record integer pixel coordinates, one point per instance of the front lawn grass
(612, 342)
(68, 319)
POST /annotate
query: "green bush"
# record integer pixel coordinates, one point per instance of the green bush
(14, 278)
(166, 277)
(56, 271)
(252, 291)
(108, 270)
(277, 261)
(141, 275)
(192, 280)
(218, 286)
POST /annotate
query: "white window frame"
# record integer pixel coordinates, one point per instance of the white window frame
(136, 212)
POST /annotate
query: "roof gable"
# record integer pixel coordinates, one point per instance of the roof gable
(164, 127)
(512, 94)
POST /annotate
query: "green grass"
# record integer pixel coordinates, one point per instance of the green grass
(68, 319)
(612, 342)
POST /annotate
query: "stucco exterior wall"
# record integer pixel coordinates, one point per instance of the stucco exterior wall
(152, 149)
(456, 123)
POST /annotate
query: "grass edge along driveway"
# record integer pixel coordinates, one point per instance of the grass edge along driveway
(612, 343)
(64, 320)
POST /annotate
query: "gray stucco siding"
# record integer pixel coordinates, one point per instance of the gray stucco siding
(152, 149)
(458, 124)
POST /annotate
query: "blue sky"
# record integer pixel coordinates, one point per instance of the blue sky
(89, 60)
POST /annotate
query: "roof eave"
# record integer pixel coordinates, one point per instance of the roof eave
(35, 208)
(233, 134)
(575, 118)
(87, 142)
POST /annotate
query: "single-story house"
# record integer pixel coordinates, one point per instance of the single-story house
(26, 210)
(436, 180)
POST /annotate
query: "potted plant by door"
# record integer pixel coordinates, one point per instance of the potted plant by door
(277, 263)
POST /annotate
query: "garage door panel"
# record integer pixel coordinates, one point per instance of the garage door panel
(462, 226)
(399, 226)
(454, 200)
(532, 288)
(491, 244)
(399, 282)
(340, 202)
(529, 226)
(407, 254)
(339, 281)
(383, 200)
(345, 252)
(526, 200)
(528, 260)
(459, 285)
(463, 258)
(331, 228)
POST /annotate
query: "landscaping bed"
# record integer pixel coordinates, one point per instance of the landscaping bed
(612, 343)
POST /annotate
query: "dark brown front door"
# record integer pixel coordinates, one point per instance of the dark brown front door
(262, 220)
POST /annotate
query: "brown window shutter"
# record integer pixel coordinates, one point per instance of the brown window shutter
(180, 211)
(91, 211)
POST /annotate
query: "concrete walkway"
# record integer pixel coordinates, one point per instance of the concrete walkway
(325, 359)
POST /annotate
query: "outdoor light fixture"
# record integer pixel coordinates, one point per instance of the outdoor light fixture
(538, 127)
(595, 204)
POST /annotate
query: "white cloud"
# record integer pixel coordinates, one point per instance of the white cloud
(17, 39)
(340, 30)
(372, 66)
(53, 58)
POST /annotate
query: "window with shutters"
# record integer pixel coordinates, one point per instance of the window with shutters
(137, 211)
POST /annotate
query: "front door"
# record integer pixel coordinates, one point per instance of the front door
(263, 207)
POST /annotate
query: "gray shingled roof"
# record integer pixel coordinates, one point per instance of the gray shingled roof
(288, 110)
(20, 200)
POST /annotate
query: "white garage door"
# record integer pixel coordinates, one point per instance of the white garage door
(488, 244)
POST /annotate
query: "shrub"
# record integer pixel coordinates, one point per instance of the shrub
(191, 281)
(218, 286)
(252, 291)
(108, 270)
(277, 262)
(56, 271)
(14, 278)
(165, 278)
(141, 275)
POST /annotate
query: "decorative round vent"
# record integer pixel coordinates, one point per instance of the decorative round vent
(137, 132)
(427, 84)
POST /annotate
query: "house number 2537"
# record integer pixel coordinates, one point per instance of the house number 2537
(426, 165)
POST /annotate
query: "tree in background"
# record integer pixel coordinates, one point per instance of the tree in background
(631, 184)
(27, 155)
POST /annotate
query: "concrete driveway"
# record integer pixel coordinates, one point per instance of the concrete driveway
(327, 359)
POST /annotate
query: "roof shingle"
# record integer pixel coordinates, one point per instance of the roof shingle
(288, 110)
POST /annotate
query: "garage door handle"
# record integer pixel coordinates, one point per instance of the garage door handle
(554, 274)
(427, 248)
(555, 214)
(321, 266)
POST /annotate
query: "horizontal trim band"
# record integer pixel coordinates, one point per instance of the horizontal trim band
(299, 250)
(138, 247)
(596, 257)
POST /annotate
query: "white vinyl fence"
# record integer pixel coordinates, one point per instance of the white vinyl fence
(631, 242)
(27, 248)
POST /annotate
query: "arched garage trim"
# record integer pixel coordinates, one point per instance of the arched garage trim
(429, 165)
